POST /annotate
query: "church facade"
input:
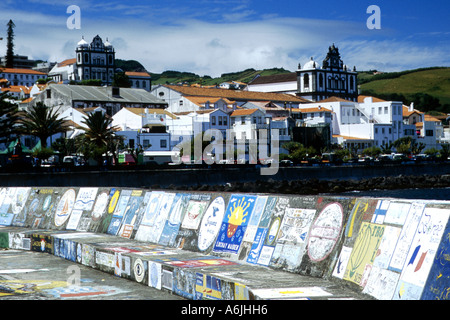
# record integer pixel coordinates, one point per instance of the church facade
(333, 78)
(95, 61)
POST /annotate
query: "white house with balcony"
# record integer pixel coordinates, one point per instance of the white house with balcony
(146, 128)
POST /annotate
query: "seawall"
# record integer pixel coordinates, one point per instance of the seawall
(134, 177)
(389, 249)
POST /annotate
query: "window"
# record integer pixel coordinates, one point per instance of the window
(181, 103)
(385, 110)
(213, 120)
(429, 133)
(163, 143)
(146, 143)
(220, 120)
(131, 143)
(306, 80)
(242, 120)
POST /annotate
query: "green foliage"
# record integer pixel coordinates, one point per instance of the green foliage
(372, 151)
(121, 80)
(129, 65)
(298, 152)
(98, 137)
(428, 88)
(42, 122)
(10, 45)
(43, 153)
(64, 146)
(92, 82)
(8, 119)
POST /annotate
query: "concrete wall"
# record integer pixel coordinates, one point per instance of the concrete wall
(221, 175)
(388, 249)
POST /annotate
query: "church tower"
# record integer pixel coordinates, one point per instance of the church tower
(333, 79)
(95, 61)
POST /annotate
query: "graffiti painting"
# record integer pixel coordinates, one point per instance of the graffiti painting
(235, 223)
(64, 207)
(173, 222)
(421, 255)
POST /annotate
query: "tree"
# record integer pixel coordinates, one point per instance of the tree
(64, 146)
(8, 119)
(42, 122)
(98, 135)
(10, 45)
(121, 80)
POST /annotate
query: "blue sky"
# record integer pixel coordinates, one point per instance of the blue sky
(211, 37)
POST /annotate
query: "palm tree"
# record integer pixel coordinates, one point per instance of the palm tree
(98, 135)
(42, 122)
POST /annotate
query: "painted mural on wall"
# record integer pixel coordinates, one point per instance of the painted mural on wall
(12, 206)
(174, 219)
(389, 248)
(437, 286)
(234, 225)
(132, 214)
(187, 235)
(421, 254)
(64, 208)
(114, 196)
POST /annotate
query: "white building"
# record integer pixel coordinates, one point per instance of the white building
(111, 99)
(64, 71)
(280, 83)
(140, 80)
(21, 77)
(95, 60)
(176, 96)
(313, 81)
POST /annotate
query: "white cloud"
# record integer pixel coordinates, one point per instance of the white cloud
(213, 48)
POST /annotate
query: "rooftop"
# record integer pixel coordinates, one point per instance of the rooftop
(104, 94)
(21, 71)
(237, 95)
(276, 78)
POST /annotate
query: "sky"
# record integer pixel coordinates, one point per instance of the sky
(211, 37)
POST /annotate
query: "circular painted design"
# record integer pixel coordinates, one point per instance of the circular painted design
(211, 223)
(47, 203)
(139, 270)
(100, 206)
(153, 275)
(325, 232)
(64, 208)
(273, 231)
(34, 206)
(113, 201)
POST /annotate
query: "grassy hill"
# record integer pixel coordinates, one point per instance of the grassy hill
(169, 77)
(429, 89)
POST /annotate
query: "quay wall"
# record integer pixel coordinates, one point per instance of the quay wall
(387, 249)
(216, 175)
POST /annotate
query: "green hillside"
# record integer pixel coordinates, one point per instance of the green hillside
(172, 77)
(429, 89)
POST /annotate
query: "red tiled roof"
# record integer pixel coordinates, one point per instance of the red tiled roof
(21, 71)
(237, 95)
